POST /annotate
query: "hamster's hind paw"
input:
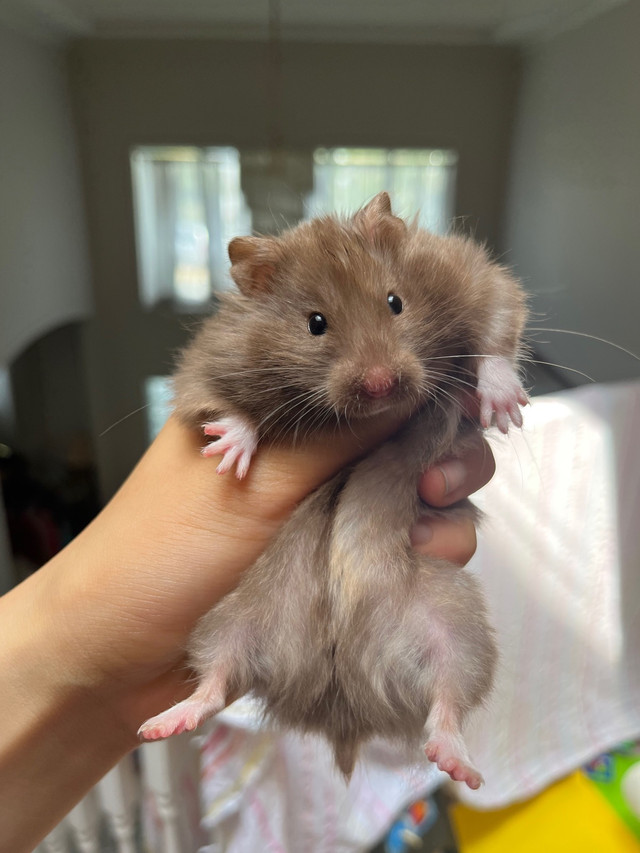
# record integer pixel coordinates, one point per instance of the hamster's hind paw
(500, 393)
(444, 752)
(236, 442)
(183, 717)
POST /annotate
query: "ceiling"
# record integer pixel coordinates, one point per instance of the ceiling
(382, 21)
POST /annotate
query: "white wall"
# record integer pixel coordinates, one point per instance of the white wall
(44, 275)
(573, 212)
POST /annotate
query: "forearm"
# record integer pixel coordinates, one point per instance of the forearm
(57, 737)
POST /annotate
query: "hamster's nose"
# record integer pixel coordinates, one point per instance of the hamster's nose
(379, 382)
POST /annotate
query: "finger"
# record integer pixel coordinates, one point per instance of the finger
(453, 479)
(451, 539)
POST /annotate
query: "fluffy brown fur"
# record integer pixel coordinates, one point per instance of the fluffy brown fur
(340, 626)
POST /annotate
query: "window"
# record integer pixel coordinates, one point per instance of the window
(157, 394)
(419, 181)
(188, 205)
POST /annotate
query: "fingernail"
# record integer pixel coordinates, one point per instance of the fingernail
(454, 473)
(421, 533)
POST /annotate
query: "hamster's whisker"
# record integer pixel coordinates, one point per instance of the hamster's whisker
(439, 390)
(590, 337)
(347, 420)
(123, 418)
(316, 423)
(336, 412)
(299, 399)
(451, 380)
(323, 412)
(302, 404)
(436, 386)
(460, 355)
(435, 380)
(291, 412)
(311, 405)
(558, 366)
(523, 360)
(261, 392)
(267, 371)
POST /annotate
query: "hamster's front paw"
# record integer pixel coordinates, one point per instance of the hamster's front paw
(499, 392)
(236, 442)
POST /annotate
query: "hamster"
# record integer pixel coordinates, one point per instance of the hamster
(340, 627)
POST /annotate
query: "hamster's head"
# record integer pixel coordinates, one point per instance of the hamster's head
(363, 315)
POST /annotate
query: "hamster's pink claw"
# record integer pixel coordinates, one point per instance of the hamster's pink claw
(237, 442)
(500, 393)
(441, 750)
(207, 700)
(183, 717)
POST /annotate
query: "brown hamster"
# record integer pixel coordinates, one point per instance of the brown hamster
(340, 627)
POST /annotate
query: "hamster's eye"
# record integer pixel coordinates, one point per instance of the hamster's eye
(317, 324)
(395, 303)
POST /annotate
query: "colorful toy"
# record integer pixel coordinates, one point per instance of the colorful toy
(595, 810)
(407, 832)
(616, 775)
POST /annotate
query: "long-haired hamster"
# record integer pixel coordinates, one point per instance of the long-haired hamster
(340, 627)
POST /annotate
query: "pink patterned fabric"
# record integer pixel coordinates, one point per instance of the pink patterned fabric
(280, 792)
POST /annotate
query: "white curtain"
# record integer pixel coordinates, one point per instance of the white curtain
(419, 181)
(188, 204)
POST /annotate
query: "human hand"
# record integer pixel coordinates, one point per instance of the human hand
(128, 591)
(453, 539)
(176, 538)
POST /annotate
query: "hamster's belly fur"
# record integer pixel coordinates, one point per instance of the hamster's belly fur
(342, 629)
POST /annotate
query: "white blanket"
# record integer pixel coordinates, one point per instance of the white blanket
(560, 558)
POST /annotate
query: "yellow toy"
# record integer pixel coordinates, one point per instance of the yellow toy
(571, 816)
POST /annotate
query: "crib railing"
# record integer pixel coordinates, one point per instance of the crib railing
(148, 803)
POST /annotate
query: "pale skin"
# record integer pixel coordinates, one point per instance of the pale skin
(93, 643)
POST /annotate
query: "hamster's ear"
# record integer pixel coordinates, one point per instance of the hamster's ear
(253, 264)
(380, 205)
(377, 223)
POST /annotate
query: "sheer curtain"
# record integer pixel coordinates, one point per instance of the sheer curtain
(420, 182)
(188, 205)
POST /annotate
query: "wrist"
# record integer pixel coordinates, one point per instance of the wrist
(56, 736)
